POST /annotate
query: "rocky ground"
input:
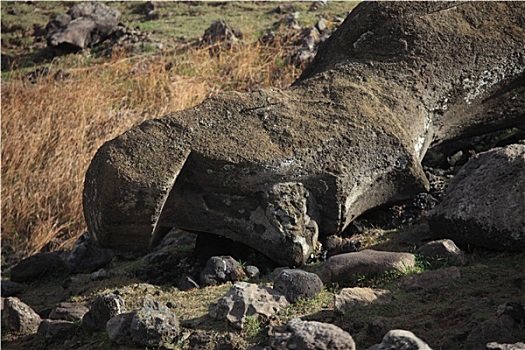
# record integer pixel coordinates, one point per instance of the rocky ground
(459, 301)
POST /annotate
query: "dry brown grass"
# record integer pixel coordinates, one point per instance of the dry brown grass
(51, 129)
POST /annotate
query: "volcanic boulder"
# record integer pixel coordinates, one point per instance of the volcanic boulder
(84, 25)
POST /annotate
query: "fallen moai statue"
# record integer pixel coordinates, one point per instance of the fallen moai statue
(273, 169)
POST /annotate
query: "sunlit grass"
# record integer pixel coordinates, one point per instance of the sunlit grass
(51, 129)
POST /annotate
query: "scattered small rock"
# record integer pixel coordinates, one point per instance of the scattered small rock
(56, 329)
(252, 271)
(221, 269)
(154, 324)
(104, 307)
(86, 256)
(344, 268)
(68, 312)
(37, 266)
(99, 275)
(19, 317)
(306, 335)
(513, 309)
(349, 298)
(220, 31)
(495, 329)
(151, 9)
(317, 5)
(119, 327)
(444, 250)
(297, 284)
(322, 25)
(335, 245)
(85, 24)
(401, 339)
(247, 299)
(10, 288)
(498, 346)
(187, 283)
(430, 280)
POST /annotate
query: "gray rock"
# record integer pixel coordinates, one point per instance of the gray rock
(297, 284)
(335, 245)
(85, 25)
(350, 298)
(322, 25)
(221, 269)
(252, 271)
(513, 309)
(57, 329)
(344, 268)
(68, 312)
(498, 346)
(495, 329)
(119, 328)
(401, 340)
(10, 288)
(307, 335)
(247, 300)
(443, 251)
(154, 324)
(484, 203)
(99, 275)
(104, 307)
(37, 266)
(220, 31)
(86, 256)
(187, 283)
(347, 136)
(430, 280)
(19, 317)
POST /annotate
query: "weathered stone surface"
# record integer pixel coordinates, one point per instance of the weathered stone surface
(349, 298)
(10, 288)
(86, 256)
(187, 283)
(154, 324)
(498, 346)
(220, 31)
(485, 202)
(104, 307)
(37, 266)
(252, 271)
(297, 284)
(119, 327)
(401, 339)
(307, 335)
(261, 166)
(57, 329)
(247, 299)
(344, 268)
(443, 251)
(19, 317)
(68, 312)
(514, 310)
(99, 275)
(430, 280)
(84, 25)
(496, 329)
(220, 269)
